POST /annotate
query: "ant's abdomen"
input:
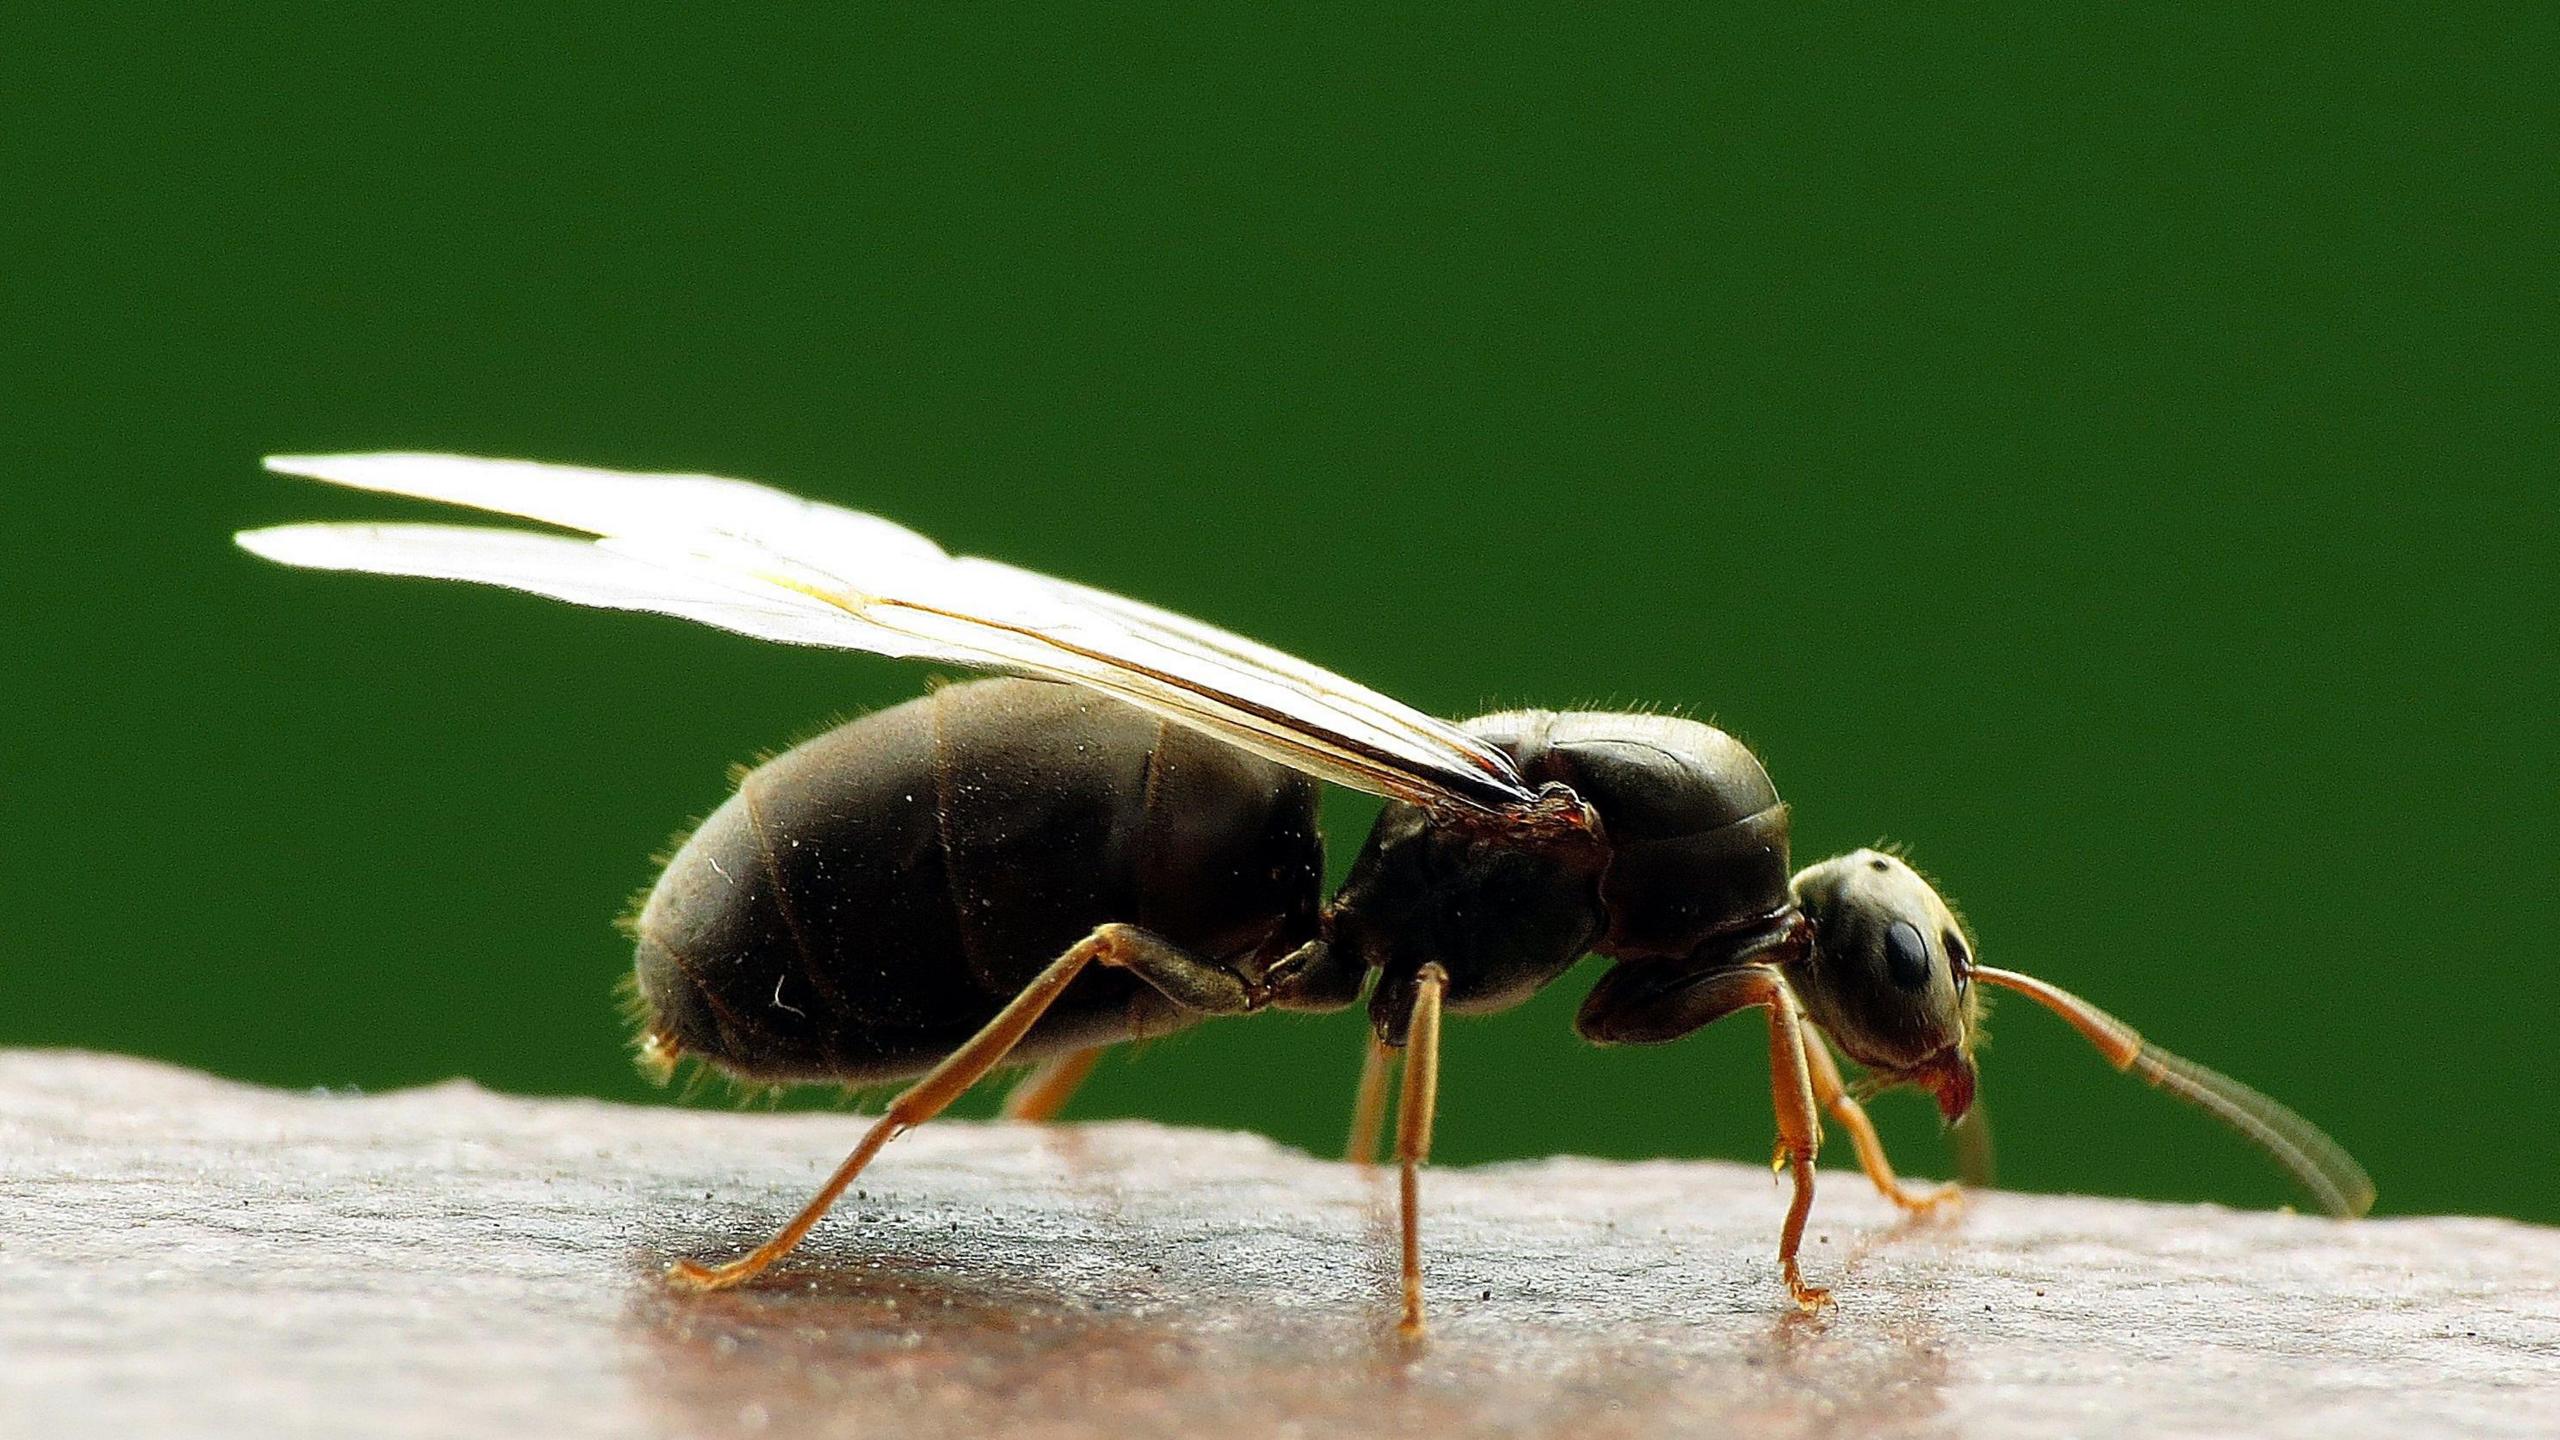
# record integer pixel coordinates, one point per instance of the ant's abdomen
(869, 899)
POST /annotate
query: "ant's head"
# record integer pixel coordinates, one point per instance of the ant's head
(1891, 978)
(1890, 974)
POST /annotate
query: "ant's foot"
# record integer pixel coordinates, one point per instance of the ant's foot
(1811, 1299)
(697, 1278)
(1916, 1202)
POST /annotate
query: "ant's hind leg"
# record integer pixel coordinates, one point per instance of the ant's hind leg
(1835, 1099)
(1040, 1095)
(1186, 979)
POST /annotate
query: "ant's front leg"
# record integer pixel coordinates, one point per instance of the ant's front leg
(1799, 1130)
(1638, 1004)
(1843, 1107)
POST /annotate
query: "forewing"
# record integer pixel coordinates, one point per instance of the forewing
(752, 559)
(581, 572)
(1454, 762)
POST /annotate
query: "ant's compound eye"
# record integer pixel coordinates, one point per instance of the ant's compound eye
(1906, 955)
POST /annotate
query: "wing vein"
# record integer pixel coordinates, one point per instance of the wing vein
(748, 558)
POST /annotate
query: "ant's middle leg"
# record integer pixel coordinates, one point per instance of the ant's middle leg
(1415, 1108)
(1186, 979)
(1369, 1106)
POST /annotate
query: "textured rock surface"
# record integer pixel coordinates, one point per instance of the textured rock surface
(183, 1256)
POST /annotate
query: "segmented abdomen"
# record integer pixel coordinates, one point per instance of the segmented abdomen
(867, 900)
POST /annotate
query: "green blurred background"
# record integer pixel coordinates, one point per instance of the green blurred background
(2111, 454)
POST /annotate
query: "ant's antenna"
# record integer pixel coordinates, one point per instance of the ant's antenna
(2329, 1173)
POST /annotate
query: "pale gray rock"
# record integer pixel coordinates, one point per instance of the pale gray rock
(180, 1256)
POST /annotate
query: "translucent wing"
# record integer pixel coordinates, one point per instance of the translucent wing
(752, 559)
(579, 571)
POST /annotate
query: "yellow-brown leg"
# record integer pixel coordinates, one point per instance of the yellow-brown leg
(1838, 1103)
(1414, 1109)
(1799, 1131)
(1369, 1106)
(1040, 1095)
(1977, 1163)
(1193, 981)
(1630, 1005)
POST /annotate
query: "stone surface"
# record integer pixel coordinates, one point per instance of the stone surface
(184, 1256)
